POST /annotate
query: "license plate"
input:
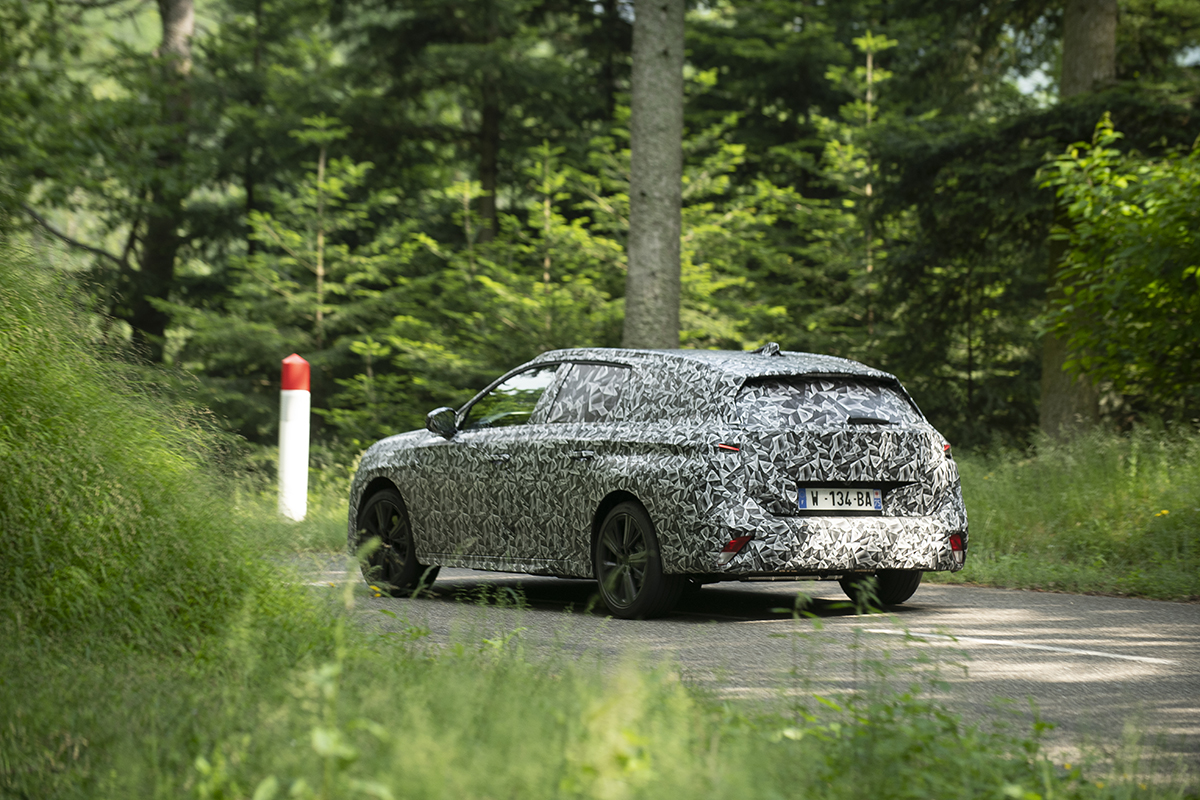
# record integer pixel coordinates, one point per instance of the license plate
(839, 499)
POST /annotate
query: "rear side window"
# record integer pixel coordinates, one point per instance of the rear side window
(790, 402)
(589, 393)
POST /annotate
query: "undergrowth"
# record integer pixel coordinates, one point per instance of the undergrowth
(1104, 512)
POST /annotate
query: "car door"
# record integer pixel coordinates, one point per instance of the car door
(562, 460)
(494, 431)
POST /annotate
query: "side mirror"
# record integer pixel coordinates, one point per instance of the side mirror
(441, 422)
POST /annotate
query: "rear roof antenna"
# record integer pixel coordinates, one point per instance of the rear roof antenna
(768, 349)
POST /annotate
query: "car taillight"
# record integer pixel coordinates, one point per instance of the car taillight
(946, 450)
(956, 542)
(732, 549)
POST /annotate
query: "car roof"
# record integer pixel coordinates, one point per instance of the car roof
(736, 364)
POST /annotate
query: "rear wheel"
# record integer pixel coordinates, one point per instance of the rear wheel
(891, 587)
(392, 566)
(629, 567)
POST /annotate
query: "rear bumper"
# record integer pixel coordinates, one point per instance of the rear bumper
(834, 544)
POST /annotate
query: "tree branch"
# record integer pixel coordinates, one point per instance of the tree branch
(40, 220)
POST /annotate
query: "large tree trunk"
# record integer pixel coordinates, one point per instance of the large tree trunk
(656, 176)
(1089, 61)
(1089, 50)
(156, 274)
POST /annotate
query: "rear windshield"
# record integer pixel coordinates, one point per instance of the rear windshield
(789, 402)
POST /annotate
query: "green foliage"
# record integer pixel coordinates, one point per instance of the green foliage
(898, 222)
(108, 522)
(973, 269)
(1130, 280)
(1102, 513)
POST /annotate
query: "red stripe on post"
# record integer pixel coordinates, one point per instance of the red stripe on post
(295, 373)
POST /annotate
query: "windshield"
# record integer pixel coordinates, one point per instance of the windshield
(792, 402)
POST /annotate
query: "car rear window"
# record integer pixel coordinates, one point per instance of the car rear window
(589, 393)
(789, 402)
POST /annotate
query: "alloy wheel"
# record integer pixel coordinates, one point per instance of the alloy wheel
(624, 557)
(388, 522)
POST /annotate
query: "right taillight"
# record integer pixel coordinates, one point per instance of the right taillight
(956, 542)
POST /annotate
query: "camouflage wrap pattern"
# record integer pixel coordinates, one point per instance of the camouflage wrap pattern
(646, 424)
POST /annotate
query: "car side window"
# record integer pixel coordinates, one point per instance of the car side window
(589, 393)
(512, 402)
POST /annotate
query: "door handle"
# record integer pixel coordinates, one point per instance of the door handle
(583, 455)
(500, 458)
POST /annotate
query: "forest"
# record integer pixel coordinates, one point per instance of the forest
(996, 201)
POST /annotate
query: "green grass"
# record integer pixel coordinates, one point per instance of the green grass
(153, 646)
(1105, 513)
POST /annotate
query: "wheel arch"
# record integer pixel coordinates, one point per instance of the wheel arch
(373, 486)
(610, 501)
(377, 484)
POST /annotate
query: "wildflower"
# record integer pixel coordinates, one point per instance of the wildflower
(1162, 513)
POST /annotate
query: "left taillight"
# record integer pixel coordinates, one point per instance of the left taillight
(731, 549)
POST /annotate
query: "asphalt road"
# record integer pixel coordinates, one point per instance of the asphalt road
(1094, 666)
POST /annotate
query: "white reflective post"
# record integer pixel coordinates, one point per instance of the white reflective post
(294, 404)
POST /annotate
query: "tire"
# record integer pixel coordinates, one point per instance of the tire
(891, 587)
(628, 566)
(393, 565)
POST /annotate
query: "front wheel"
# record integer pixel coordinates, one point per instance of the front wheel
(392, 566)
(891, 587)
(629, 567)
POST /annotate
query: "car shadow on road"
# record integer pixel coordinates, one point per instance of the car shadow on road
(727, 602)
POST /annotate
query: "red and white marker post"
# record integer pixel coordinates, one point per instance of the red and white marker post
(295, 400)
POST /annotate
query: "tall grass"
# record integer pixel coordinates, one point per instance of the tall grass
(150, 650)
(1110, 513)
(107, 517)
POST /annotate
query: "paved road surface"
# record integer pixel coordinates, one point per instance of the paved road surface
(1091, 664)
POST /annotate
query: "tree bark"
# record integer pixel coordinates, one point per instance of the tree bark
(656, 176)
(1089, 61)
(1089, 50)
(156, 274)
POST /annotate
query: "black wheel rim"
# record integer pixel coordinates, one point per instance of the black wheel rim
(387, 521)
(624, 557)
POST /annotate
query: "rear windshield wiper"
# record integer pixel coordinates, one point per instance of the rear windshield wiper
(869, 421)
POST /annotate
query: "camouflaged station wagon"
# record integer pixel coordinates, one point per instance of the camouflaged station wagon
(658, 471)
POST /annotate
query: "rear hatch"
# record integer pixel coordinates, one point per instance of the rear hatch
(841, 445)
